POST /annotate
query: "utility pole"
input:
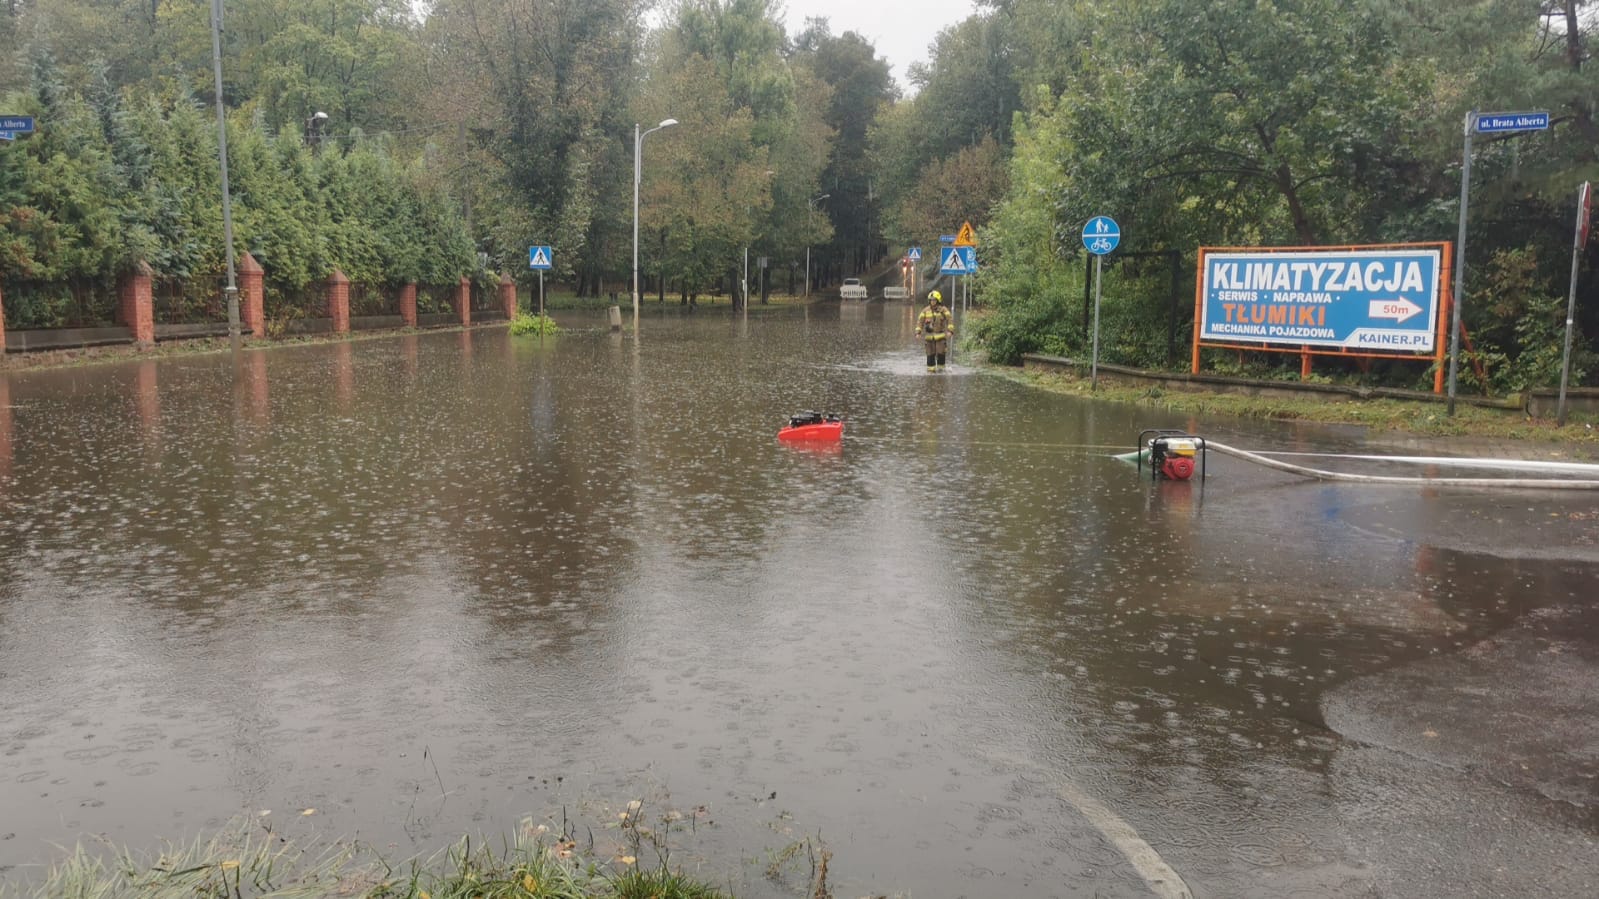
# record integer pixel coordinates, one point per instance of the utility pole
(232, 290)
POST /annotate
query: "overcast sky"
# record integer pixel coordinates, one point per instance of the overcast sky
(900, 29)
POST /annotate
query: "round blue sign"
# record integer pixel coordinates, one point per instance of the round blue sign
(1101, 235)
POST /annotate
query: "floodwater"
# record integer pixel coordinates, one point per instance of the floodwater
(435, 584)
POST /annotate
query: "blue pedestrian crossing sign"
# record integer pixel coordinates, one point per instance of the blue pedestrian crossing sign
(1101, 235)
(957, 261)
(540, 259)
(914, 254)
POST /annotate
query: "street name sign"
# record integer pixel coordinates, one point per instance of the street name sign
(17, 124)
(1507, 122)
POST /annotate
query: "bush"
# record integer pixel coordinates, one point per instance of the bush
(539, 325)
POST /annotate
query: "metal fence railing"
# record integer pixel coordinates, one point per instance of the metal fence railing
(82, 303)
(188, 301)
(373, 299)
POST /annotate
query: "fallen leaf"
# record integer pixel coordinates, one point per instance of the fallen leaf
(627, 859)
(263, 813)
(529, 884)
(309, 811)
(1429, 733)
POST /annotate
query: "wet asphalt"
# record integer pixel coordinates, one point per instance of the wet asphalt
(433, 584)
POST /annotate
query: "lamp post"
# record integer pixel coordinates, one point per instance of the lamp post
(232, 290)
(313, 128)
(638, 149)
(810, 218)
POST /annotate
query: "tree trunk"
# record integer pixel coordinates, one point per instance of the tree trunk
(1296, 208)
(1582, 106)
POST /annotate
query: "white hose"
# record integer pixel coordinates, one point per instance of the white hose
(1582, 468)
(1318, 474)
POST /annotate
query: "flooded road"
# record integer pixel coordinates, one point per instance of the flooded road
(433, 584)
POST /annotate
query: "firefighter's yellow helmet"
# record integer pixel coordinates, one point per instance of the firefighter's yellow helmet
(935, 297)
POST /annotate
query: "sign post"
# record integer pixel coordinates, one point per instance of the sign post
(1478, 123)
(541, 260)
(952, 261)
(966, 239)
(1100, 236)
(1584, 213)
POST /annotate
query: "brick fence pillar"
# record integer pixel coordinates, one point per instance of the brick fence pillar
(408, 304)
(339, 302)
(508, 295)
(252, 296)
(2, 324)
(136, 305)
(463, 300)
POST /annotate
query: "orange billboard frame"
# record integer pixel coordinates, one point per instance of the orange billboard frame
(1444, 302)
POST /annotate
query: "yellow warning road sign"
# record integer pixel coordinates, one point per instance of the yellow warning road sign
(966, 238)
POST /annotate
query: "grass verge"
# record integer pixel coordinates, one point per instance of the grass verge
(1427, 419)
(245, 860)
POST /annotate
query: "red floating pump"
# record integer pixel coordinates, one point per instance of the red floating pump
(812, 427)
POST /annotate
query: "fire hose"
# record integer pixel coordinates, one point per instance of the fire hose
(1511, 483)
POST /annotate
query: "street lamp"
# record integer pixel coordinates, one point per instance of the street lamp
(638, 148)
(313, 128)
(810, 217)
(232, 290)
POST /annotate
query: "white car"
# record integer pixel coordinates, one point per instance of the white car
(852, 289)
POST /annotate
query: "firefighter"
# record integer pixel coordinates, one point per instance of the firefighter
(935, 328)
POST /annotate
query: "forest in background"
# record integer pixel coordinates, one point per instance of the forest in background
(458, 133)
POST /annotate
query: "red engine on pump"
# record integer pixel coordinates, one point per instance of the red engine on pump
(1177, 468)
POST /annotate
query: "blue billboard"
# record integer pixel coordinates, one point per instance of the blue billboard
(1376, 301)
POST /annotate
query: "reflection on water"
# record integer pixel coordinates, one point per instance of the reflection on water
(147, 400)
(433, 583)
(5, 430)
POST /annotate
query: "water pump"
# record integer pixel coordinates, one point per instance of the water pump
(1173, 455)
